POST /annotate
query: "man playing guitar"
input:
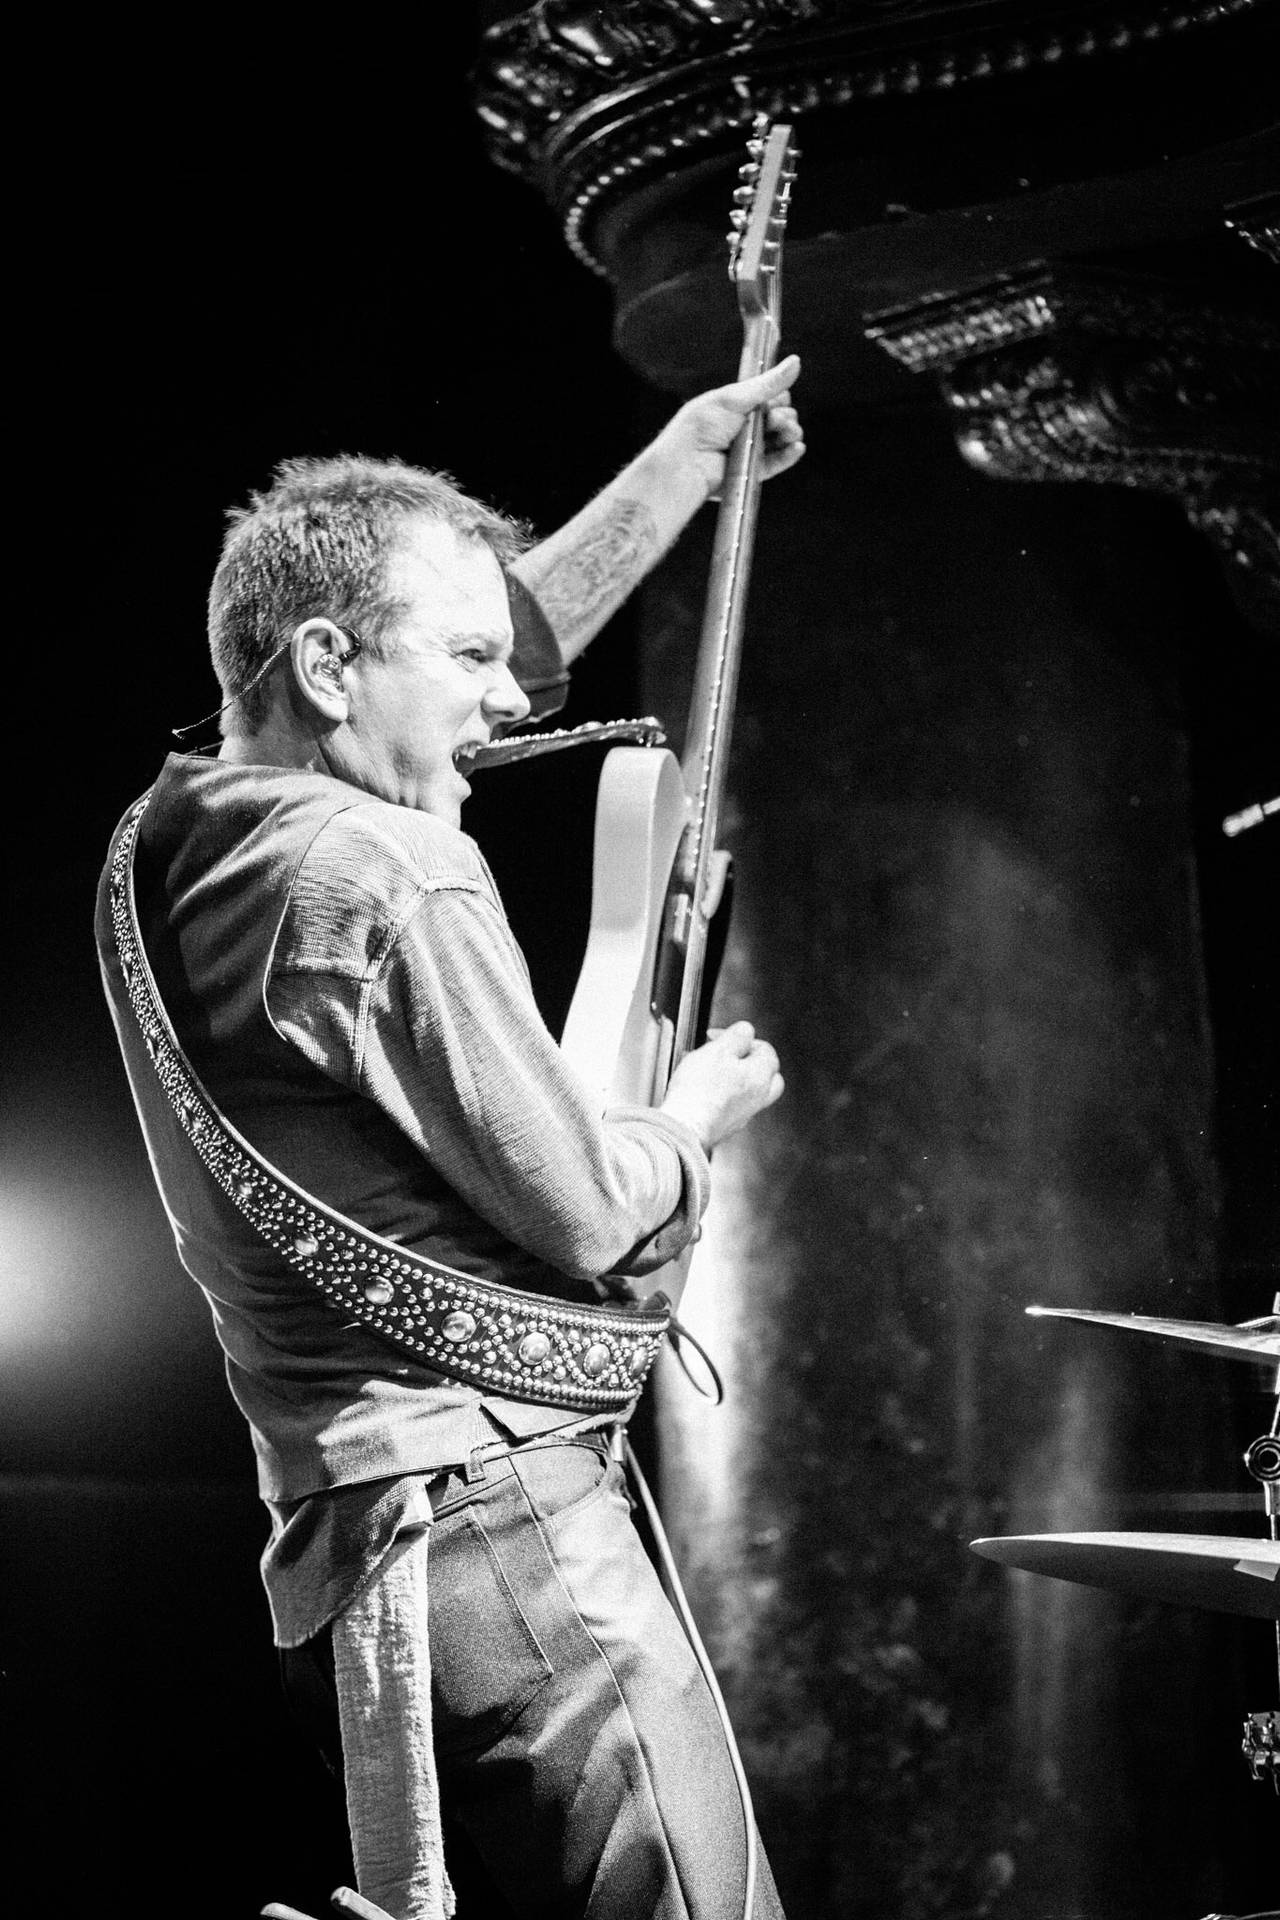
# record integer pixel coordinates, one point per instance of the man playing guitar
(397, 1193)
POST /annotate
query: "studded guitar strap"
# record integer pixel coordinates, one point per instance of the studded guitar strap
(499, 1339)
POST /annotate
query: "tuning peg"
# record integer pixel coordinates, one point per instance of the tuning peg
(749, 170)
(755, 148)
(738, 220)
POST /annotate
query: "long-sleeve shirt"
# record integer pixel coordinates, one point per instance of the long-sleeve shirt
(344, 981)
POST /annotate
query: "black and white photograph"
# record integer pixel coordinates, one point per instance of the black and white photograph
(640, 1203)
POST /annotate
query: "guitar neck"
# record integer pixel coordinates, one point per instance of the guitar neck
(699, 871)
(704, 766)
(706, 753)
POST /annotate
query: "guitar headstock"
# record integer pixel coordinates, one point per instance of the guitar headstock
(760, 215)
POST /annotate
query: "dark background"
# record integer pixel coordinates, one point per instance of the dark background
(221, 268)
(225, 265)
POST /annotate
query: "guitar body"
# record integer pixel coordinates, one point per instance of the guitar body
(612, 1035)
(616, 1035)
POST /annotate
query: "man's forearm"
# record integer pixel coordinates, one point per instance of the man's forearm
(581, 574)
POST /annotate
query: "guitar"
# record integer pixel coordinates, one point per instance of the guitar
(660, 882)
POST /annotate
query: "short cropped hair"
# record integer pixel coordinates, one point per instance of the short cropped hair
(316, 543)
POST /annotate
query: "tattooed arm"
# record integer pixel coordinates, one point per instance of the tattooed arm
(581, 575)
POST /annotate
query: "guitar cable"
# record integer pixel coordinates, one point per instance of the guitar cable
(679, 1600)
(677, 1335)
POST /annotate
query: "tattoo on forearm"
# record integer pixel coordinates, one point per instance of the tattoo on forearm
(582, 587)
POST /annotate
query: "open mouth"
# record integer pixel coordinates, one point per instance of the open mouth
(464, 757)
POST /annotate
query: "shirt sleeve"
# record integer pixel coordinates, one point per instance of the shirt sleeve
(443, 1032)
(536, 659)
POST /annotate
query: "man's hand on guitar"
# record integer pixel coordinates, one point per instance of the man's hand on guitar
(697, 438)
(718, 1087)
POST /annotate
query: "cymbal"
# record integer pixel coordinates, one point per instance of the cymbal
(1257, 1340)
(1188, 1569)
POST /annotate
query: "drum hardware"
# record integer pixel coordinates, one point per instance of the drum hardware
(1222, 1574)
(1261, 1742)
(1261, 1746)
(1256, 1340)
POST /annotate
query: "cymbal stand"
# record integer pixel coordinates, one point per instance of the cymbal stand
(1261, 1742)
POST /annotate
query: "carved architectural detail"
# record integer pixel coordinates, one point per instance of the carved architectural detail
(1246, 533)
(1257, 222)
(592, 102)
(1062, 374)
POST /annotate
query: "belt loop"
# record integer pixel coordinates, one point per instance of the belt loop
(484, 1430)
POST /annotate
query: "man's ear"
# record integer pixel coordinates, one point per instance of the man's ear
(315, 654)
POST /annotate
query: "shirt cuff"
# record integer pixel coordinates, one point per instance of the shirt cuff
(675, 1233)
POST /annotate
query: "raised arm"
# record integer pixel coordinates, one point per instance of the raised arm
(581, 575)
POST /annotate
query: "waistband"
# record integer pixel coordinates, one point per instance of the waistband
(486, 1469)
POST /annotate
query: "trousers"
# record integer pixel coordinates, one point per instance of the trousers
(584, 1773)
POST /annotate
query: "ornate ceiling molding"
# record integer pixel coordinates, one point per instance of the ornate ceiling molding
(593, 103)
(1062, 373)
(1257, 222)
